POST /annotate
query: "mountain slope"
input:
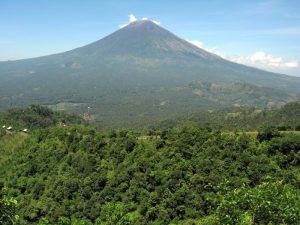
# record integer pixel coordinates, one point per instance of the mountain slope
(138, 72)
(239, 94)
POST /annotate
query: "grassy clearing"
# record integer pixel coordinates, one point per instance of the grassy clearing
(65, 106)
(296, 132)
(9, 143)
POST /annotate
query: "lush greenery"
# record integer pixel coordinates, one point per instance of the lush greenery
(8, 208)
(35, 117)
(283, 118)
(239, 93)
(184, 175)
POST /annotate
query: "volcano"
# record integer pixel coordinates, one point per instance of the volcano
(141, 72)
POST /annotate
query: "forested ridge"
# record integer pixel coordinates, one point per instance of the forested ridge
(286, 117)
(188, 174)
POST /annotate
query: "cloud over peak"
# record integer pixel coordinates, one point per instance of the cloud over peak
(133, 18)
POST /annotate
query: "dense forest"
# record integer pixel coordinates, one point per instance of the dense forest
(64, 171)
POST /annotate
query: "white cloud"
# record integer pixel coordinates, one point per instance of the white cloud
(293, 64)
(266, 61)
(133, 18)
(258, 59)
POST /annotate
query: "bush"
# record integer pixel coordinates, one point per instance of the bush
(267, 134)
(268, 203)
(2, 132)
(8, 208)
(116, 213)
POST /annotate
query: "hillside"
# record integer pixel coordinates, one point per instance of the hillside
(35, 117)
(286, 117)
(136, 75)
(239, 94)
(76, 174)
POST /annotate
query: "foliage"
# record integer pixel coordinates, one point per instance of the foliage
(239, 93)
(78, 175)
(284, 118)
(267, 134)
(8, 209)
(72, 174)
(114, 213)
(267, 203)
(2, 133)
(35, 117)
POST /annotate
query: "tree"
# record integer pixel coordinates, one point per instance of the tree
(266, 134)
(8, 208)
(116, 213)
(268, 203)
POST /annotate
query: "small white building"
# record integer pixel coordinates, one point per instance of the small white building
(9, 128)
(3, 126)
(25, 130)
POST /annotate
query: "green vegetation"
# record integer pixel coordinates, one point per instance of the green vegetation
(65, 106)
(185, 175)
(267, 203)
(285, 118)
(35, 117)
(239, 94)
(8, 208)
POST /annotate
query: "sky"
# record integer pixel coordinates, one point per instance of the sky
(260, 33)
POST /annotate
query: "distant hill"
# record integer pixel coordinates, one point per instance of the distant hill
(240, 93)
(138, 74)
(286, 117)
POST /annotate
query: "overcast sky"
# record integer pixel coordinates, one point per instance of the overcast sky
(264, 33)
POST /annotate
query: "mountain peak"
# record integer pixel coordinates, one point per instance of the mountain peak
(144, 22)
(145, 39)
(144, 25)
